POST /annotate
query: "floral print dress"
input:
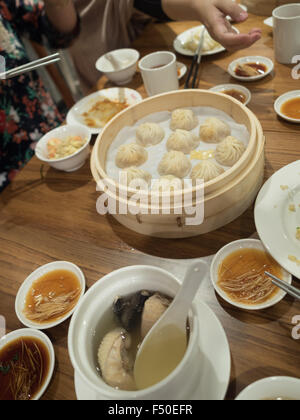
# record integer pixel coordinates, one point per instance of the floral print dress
(27, 111)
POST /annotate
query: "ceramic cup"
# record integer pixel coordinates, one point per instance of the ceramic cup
(92, 316)
(159, 72)
(286, 27)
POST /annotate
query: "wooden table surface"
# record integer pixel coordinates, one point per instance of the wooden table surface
(53, 216)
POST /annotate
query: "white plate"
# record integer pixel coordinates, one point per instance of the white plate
(182, 69)
(275, 223)
(242, 89)
(74, 116)
(227, 250)
(184, 36)
(284, 98)
(251, 59)
(37, 274)
(272, 388)
(269, 22)
(26, 332)
(216, 369)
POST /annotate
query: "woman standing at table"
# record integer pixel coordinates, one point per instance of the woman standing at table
(26, 109)
(111, 24)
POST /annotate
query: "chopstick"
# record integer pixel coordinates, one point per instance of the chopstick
(291, 290)
(25, 68)
(195, 63)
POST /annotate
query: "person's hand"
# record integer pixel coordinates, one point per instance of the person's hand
(213, 13)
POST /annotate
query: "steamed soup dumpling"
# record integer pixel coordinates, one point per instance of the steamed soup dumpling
(131, 155)
(229, 151)
(133, 173)
(206, 170)
(149, 134)
(183, 119)
(214, 130)
(183, 141)
(175, 163)
(167, 183)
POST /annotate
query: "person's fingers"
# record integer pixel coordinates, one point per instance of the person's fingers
(232, 9)
(239, 41)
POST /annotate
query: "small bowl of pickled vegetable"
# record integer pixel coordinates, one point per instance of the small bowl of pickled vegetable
(65, 148)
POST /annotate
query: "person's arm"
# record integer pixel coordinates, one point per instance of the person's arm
(152, 8)
(57, 20)
(212, 13)
(62, 14)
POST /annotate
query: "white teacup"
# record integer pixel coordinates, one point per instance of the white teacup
(159, 72)
(286, 24)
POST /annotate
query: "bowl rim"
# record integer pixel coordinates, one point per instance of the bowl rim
(292, 94)
(45, 138)
(266, 381)
(252, 140)
(132, 63)
(265, 60)
(227, 250)
(107, 390)
(35, 275)
(31, 332)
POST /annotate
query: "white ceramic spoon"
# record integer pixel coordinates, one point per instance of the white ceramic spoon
(165, 345)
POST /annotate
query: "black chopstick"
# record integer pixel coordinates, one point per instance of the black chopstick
(195, 64)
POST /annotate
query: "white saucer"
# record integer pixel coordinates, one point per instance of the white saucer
(213, 383)
(281, 100)
(251, 59)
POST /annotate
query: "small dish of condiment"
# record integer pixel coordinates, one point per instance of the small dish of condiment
(287, 106)
(27, 361)
(50, 295)
(238, 92)
(252, 68)
(238, 275)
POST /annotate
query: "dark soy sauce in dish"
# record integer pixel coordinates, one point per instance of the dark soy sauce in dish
(24, 366)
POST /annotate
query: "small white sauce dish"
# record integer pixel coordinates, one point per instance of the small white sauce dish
(70, 163)
(274, 388)
(228, 250)
(37, 274)
(282, 100)
(182, 69)
(119, 66)
(230, 86)
(251, 59)
(26, 332)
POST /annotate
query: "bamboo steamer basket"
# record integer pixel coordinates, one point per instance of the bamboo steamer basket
(225, 198)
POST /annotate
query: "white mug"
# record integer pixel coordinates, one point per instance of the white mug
(286, 27)
(159, 72)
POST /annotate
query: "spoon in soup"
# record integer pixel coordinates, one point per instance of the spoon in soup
(166, 343)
